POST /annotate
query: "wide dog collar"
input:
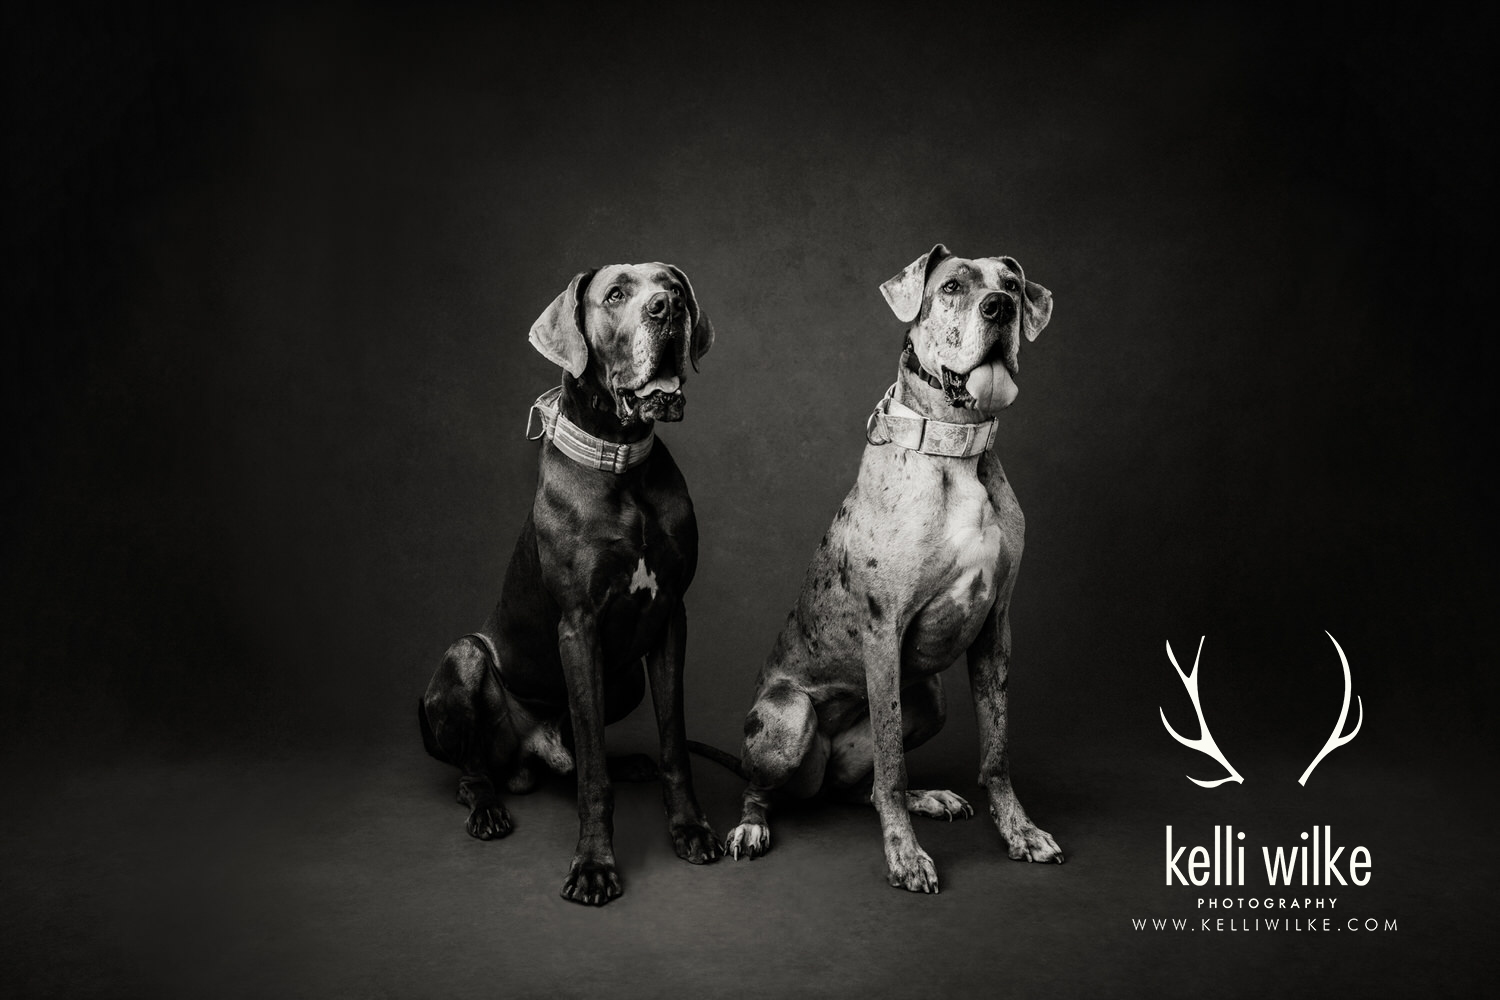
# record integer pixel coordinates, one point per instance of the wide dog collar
(577, 443)
(898, 424)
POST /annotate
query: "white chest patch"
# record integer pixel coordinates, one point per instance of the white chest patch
(643, 579)
(976, 548)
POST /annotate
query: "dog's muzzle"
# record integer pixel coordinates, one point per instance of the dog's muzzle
(658, 399)
(998, 307)
(665, 406)
(998, 310)
(663, 327)
(955, 385)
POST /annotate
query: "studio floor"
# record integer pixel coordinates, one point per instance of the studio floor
(256, 874)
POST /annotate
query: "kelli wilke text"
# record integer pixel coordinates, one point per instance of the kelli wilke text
(1313, 863)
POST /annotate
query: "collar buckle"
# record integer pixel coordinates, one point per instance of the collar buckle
(537, 416)
(876, 424)
(614, 457)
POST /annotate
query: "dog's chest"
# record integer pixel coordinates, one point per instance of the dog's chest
(642, 576)
(973, 553)
(643, 580)
(961, 573)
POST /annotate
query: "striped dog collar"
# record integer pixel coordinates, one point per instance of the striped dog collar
(894, 423)
(579, 445)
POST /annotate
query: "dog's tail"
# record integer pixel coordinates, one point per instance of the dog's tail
(429, 741)
(720, 757)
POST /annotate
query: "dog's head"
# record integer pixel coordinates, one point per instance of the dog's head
(629, 332)
(967, 317)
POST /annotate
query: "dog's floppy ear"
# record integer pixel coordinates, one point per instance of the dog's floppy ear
(904, 291)
(1038, 309)
(1037, 301)
(558, 332)
(702, 340)
(701, 337)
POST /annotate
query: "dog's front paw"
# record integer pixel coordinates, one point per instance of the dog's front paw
(938, 804)
(910, 868)
(1028, 843)
(592, 881)
(748, 840)
(695, 843)
(488, 820)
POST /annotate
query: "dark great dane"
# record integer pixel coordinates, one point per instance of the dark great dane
(916, 570)
(595, 585)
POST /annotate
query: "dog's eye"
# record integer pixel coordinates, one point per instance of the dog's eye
(614, 295)
(1011, 284)
(950, 286)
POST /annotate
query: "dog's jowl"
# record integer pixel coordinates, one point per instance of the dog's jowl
(916, 570)
(591, 610)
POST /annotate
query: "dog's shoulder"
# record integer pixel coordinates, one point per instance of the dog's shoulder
(1002, 498)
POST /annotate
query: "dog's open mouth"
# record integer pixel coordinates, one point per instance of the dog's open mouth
(659, 398)
(956, 384)
(956, 388)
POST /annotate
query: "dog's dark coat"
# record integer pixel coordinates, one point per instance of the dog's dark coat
(591, 609)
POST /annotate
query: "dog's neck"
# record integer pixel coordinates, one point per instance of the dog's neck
(593, 411)
(929, 401)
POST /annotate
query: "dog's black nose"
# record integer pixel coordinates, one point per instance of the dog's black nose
(659, 306)
(997, 307)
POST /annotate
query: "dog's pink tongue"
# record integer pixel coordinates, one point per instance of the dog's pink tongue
(667, 385)
(992, 387)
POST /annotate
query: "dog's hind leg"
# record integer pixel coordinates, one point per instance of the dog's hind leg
(923, 712)
(466, 722)
(542, 746)
(782, 749)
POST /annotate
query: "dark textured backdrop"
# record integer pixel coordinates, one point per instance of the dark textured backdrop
(271, 275)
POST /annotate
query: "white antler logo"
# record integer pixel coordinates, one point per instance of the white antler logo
(1335, 740)
(1205, 741)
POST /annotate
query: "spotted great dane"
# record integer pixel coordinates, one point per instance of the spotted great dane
(917, 569)
(596, 583)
